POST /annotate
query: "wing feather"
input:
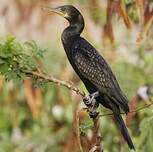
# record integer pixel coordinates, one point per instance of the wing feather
(94, 68)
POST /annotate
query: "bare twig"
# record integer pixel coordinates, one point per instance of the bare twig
(97, 147)
(96, 139)
(49, 78)
(132, 111)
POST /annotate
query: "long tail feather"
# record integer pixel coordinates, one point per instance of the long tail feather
(123, 129)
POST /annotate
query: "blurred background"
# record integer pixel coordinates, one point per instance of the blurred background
(34, 119)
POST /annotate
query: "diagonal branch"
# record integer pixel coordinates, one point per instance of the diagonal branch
(48, 78)
(70, 86)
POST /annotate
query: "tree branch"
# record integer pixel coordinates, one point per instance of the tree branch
(70, 86)
(52, 79)
(132, 111)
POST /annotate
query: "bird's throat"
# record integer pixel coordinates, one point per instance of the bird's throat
(73, 30)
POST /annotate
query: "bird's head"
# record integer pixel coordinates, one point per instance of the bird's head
(69, 12)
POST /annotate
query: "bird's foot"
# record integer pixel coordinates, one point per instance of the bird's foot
(88, 100)
(93, 109)
(91, 104)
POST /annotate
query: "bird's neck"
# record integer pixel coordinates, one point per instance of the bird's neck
(73, 30)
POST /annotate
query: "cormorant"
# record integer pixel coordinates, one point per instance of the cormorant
(92, 69)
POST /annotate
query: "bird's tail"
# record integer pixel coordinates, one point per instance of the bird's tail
(123, 129)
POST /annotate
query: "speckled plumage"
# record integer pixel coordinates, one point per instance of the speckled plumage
(92, 69)
(92, 66)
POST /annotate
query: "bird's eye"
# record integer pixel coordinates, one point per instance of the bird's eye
(62, 9)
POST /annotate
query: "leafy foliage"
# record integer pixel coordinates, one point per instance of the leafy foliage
(16, 59)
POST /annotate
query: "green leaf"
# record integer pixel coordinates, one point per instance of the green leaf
(17, 58)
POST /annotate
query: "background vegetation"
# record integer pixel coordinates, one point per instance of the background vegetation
(37, 116)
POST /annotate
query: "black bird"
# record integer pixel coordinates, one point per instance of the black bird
(92, 69)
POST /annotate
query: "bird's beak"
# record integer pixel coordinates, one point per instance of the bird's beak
(54, 10)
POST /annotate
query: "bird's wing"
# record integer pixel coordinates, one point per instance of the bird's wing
(94, 68)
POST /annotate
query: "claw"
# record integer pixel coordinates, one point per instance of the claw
(91, 104)
(88, 100)
(92, 110)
